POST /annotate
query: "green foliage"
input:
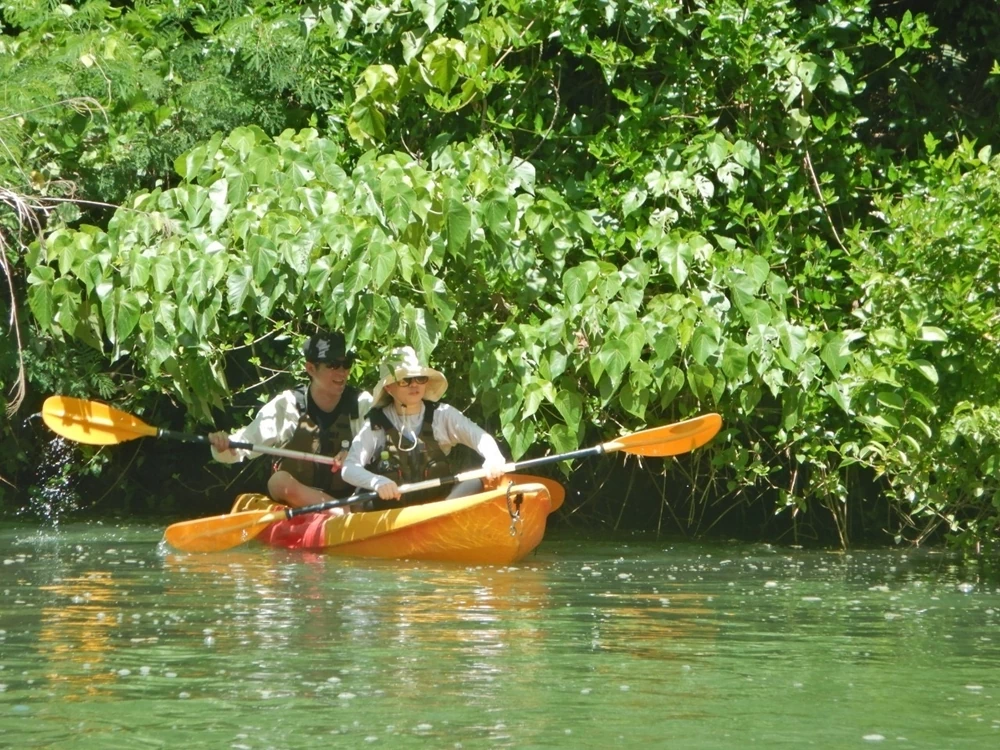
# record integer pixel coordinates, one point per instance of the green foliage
(148, 81)
(923, 380)
(391, 249)
(593, 214)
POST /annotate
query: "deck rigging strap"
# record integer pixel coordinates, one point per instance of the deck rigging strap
(514, 508)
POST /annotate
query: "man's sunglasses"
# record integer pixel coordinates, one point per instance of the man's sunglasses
(339, 364)
(418, 380)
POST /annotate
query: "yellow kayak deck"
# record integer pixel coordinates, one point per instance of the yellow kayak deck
(497, 527)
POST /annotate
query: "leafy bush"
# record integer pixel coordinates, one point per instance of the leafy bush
(596, 216)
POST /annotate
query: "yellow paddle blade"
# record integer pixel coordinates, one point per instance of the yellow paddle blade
(92, 422)
(669, 440)
(219, 532)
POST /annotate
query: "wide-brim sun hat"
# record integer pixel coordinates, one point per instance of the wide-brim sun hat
(403, 362)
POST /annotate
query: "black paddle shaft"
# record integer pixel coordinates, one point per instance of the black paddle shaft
(341, 503)
(371, 494)
(184, 437)
(531, 463)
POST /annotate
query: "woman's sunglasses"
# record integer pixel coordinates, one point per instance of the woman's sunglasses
(418, 380)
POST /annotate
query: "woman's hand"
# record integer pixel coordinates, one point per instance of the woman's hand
(494, 474)
(388, 490)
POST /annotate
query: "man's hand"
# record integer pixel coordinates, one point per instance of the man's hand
(338, 462)
(219, 441)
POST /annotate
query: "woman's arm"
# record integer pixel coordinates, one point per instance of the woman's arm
(451, 427)
(366, 445)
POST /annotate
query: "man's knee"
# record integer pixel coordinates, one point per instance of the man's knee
(279, 484)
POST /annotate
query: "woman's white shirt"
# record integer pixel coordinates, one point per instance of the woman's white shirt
(450, 428)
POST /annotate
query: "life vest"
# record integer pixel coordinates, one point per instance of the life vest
(405, 465)
(311, 438)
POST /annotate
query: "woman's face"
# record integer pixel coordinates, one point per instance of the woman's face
(408, 394)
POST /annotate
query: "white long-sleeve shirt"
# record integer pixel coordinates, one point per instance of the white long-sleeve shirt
(275, 424)
(450, 428)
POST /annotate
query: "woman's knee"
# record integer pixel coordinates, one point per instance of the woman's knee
(466, 488)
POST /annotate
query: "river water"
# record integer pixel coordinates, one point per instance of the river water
(110, 640)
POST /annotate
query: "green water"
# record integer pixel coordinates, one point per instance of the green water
(109, 640)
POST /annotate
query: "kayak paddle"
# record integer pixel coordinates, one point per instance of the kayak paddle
(94, 423)
(219, 533)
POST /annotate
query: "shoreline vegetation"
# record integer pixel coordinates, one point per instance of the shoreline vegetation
(599, 216)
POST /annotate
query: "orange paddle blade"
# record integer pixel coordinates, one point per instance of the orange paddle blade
(219, 532)
(92, 422)
(669, 440)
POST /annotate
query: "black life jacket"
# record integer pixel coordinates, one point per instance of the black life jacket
(311, 438)
(405, 465)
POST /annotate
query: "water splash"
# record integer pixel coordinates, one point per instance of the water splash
(52, 494)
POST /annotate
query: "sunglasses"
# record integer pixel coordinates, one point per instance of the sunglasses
(339, 364)
(418, 380)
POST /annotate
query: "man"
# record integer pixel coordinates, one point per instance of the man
(320, 418)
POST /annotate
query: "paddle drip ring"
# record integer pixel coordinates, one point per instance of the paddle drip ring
(514, 508)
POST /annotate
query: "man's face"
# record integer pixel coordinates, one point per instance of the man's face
(330, 377)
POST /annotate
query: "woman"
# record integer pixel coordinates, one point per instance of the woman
(409, 434)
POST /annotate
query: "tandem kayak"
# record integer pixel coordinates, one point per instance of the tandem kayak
(495, 527)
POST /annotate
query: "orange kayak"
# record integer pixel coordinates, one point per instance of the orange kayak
(496, 527)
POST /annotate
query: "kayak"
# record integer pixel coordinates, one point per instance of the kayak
(495, 527)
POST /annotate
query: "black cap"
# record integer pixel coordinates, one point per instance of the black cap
(323, 348)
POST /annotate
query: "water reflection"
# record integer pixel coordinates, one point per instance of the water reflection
(393, 596)
(76, 633)
(650, 625)
(475, 620)
(588, 646)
